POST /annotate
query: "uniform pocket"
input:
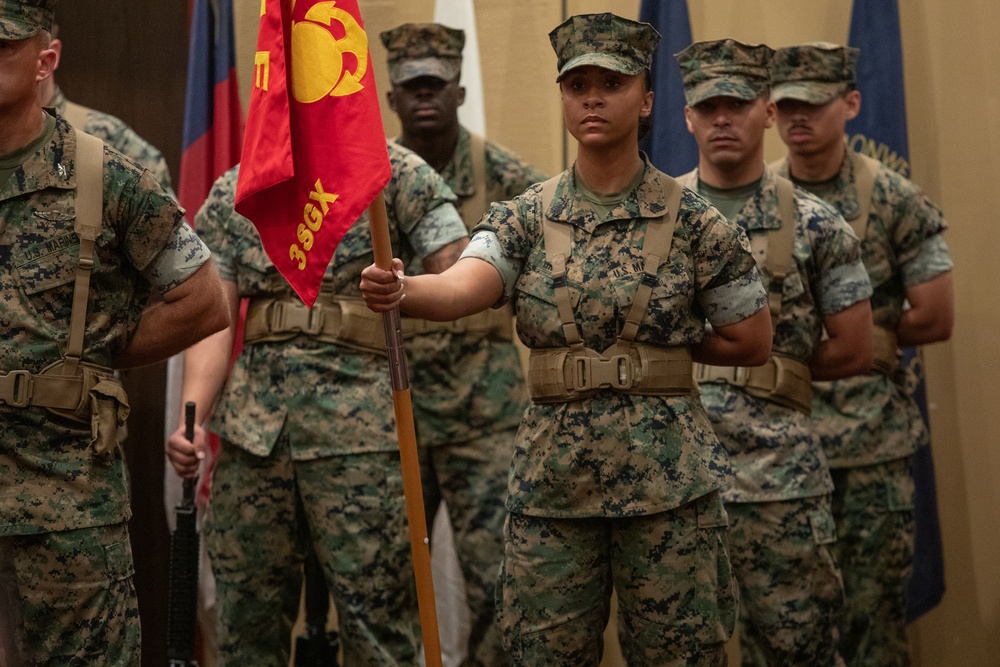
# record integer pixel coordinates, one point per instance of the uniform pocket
(899, 491)
(824, 528)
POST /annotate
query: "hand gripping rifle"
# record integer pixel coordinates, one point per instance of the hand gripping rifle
(182, 613)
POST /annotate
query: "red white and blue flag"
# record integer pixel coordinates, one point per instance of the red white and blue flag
(213, 118)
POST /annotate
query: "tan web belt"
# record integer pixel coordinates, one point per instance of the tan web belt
(495, 323)
(343, 320)
(568, 374)
(49, 389)
(782, 380)
(885, 351)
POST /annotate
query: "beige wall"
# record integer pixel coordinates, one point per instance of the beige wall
(954, 102)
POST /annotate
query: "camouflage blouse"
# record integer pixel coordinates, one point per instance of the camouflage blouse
(328, 399)
(871, 418)
(616, 454)
(773, 449)
(50, 479)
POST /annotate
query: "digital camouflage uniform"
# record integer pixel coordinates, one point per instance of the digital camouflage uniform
(869, 425)
(65, 560)
(781, 527)
(617, 489)
(309, 448)
(116, 133)
(468, 399)
(468, 388)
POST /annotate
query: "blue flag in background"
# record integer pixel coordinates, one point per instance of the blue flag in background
(880, 132)
(669, 145)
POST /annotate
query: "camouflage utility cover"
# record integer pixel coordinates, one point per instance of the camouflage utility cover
(328, 398)
(814, 73)
(617, 454)
(604, 40)
(423, 49)
(50, 479)
(871, 418)
(724, 68)
(23, 18)
(773, 449)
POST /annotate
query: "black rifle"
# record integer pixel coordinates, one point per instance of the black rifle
(317, 647)
(182, 611)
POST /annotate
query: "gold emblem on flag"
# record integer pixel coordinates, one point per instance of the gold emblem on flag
(318, 67)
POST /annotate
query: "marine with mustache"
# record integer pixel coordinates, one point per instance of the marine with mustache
(869, 424)
(613, 270)
(809, 259)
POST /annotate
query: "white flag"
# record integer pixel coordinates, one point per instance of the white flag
(461, 14)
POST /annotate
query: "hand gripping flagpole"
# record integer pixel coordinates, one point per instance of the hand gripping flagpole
(412, 492)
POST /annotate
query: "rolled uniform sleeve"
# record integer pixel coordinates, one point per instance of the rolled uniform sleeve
(932, 260)
(843, 286)
(735, 301)
(485, 245)
(729, 287)
(182, 256)
(438, 228)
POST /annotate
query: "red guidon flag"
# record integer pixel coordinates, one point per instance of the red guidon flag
(314, 154)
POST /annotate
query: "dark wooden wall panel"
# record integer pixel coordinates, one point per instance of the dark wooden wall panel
(129, 58)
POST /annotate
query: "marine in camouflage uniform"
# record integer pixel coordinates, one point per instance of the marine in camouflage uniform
(469, 392)
(309, 450)
(616, 488)
(869, 425)
(66, 591)
(781, 526)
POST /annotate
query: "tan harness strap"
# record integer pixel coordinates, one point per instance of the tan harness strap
(865, 173)
(779, 258)
(558, 246)
(87, 225)
(655, 249)
(474, 207)
(781, 380)
(75, 115)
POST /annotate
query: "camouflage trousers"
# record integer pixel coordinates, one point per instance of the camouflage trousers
(67, 599)
(471, 478)
(265, 512)
(791, 593)
(676, 595)
(873, 506)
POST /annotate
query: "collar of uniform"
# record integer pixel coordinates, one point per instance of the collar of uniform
(764, 210)
(647, 200)
(49, 167)
(764, 200)
(459, 173)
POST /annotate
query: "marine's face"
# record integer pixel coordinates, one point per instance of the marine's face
(602, 107)
(23, 64)
(810, 129)
(729, 130)
(427, 104)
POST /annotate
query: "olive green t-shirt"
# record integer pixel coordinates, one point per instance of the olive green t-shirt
(10, 162)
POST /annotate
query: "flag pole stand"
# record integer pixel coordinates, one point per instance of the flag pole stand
(412, 492)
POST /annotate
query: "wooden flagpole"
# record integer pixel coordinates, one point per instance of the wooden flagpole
(412, 492)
